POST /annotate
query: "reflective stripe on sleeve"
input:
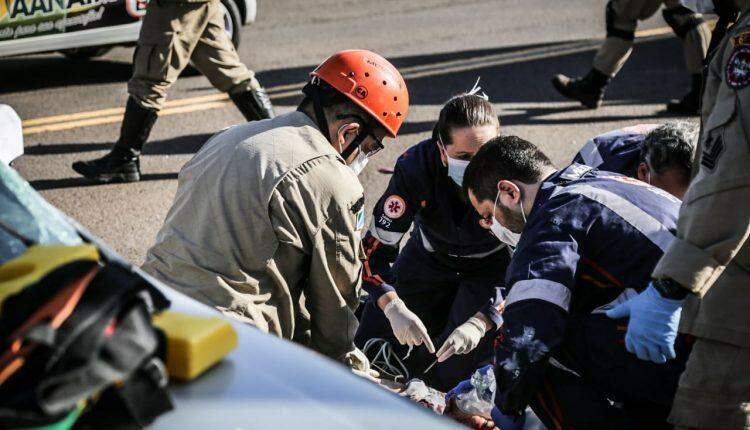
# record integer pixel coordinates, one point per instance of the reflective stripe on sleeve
(541, 289)
(641, 220)
(428, 246)
(426, 243)
(386, 237)
(590, 154)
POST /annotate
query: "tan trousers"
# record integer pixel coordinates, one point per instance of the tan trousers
(615, 51)
(714, 390)
(172, 35)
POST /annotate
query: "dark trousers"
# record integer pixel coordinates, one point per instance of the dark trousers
(443, 298)
(615, 389)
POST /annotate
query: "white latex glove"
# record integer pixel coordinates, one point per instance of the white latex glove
(464, 338)
(357, 361)
(407, 327)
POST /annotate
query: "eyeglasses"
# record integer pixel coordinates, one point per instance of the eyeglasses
(377, 145)
(366, 128)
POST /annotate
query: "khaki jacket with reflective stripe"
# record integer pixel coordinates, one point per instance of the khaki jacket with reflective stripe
(265, 227)
(711, 256)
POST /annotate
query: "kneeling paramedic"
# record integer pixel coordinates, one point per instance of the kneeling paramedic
(660, 155)
(267, 218)
(589, 240)
(450, 265)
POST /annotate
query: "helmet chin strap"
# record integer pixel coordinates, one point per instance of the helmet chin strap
(320, 116)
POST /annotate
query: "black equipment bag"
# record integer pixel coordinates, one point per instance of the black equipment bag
(105, 352)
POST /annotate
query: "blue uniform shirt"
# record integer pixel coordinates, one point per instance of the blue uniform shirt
(616, 151)
(591, 241)
(445, 224)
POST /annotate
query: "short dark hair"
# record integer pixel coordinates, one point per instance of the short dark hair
(671, 145)
(463, 110)
(504, 157)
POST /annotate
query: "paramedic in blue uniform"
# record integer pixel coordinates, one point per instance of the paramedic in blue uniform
(589, 241)
(661, 155)
(450, 265)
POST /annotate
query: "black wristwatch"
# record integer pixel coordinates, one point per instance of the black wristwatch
(670, 289)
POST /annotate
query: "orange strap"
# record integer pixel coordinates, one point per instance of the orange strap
(54, 312)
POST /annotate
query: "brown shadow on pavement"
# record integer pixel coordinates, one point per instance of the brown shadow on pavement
(174, 146)
(54, 184)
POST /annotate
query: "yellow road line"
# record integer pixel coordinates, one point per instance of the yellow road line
(110, 119)
(71, 117)
(220, 100)
(653, 32)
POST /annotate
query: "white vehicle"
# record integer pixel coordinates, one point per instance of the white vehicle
(11, 134)
(88, 28)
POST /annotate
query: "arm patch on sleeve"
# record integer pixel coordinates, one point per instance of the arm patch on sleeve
(738, 66)
(358, 209)
(394, 206)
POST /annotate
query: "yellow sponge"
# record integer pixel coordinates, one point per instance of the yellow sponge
(194, 343)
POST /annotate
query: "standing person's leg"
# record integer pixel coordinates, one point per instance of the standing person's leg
(217, 59)
(169, 33)
(692, 29)
(714, 390)
(621, 20)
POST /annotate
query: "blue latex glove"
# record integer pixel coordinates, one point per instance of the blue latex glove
(462, 387)
(652, 328)
(507, 422)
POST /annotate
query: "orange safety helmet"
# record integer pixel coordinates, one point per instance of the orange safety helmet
(371, 82)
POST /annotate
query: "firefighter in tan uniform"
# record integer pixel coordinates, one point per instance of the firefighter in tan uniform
(622, 18)
(174, 33)
(267, 218)
(705, 274)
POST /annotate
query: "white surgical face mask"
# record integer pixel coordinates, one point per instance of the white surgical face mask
(501, 232)
(456, 167)
(359, 163)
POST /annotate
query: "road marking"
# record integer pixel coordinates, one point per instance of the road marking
(219, 100)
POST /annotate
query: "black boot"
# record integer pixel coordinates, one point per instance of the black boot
(690, 103)
(122, 163)
(588, 89)
(254, 104)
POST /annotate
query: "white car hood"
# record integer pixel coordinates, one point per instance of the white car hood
(11, 135)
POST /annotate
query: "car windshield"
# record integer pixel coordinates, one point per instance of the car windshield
(25, 213)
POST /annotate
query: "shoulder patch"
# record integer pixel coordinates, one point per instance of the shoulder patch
(394, 206)
(712, 149)
(738, 65)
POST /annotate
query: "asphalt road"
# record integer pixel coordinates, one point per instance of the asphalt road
(441, 45)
